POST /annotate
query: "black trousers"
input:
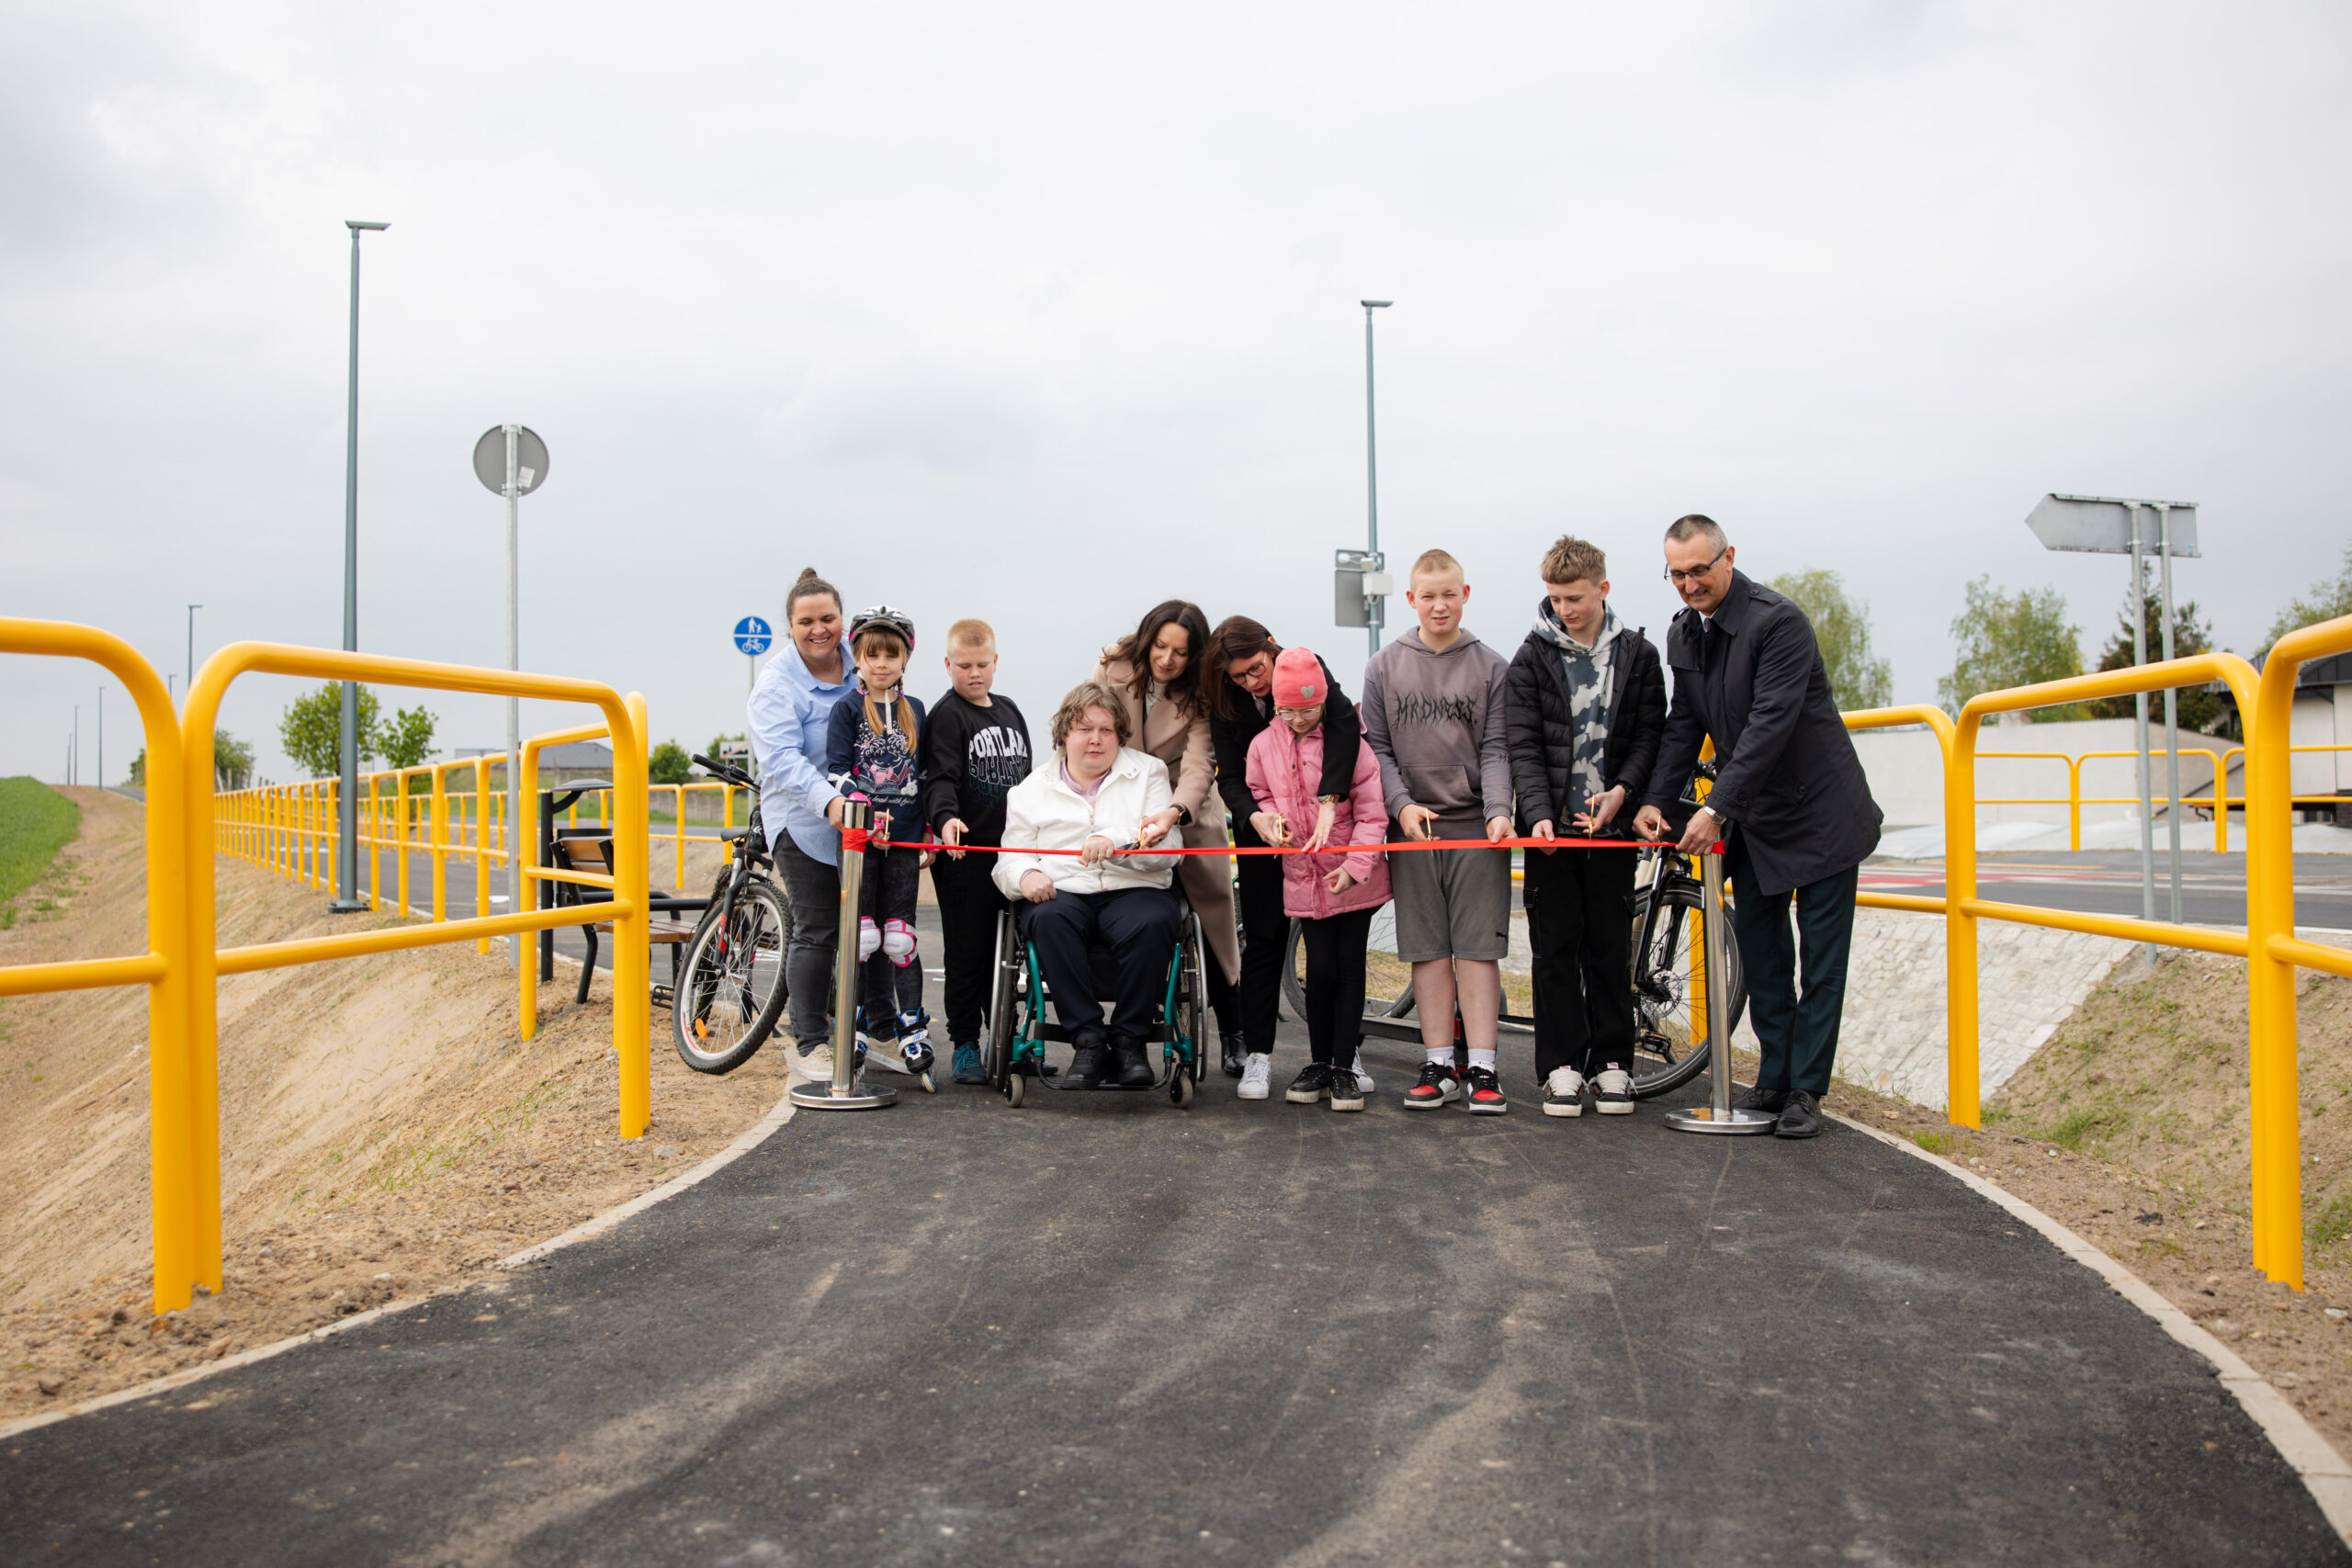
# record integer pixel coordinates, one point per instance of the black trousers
(1265, 942)
(1335, 947)
(1136, 926)
(1580, 929)
(968, 906)
(813, 891)
(1797, 1030)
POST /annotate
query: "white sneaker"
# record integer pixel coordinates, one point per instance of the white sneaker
(1363, 1080)
(1613, 1092)
(1257, 1073)
(1564, 1092)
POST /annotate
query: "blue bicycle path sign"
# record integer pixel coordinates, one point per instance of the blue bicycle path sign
(752, 636)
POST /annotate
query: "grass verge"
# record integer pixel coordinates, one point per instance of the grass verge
(35, 823)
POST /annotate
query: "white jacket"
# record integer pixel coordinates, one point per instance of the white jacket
(1041, 812)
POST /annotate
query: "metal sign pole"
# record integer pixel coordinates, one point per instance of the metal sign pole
(513, 705)
(846, 1092)
(1717, 1116)
(2172, 709)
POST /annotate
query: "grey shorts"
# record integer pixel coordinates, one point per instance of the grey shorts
(1451, 903)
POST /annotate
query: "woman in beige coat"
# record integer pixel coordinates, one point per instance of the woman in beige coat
(1158, 673)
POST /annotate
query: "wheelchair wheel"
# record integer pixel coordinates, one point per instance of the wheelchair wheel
(1003, 1002)
(1012, 1082)
(1180, 1086)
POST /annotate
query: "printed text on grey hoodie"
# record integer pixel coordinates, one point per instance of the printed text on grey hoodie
(1435, 720)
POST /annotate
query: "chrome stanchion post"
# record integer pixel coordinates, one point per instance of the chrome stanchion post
(1718, 1115)
(847, 1091)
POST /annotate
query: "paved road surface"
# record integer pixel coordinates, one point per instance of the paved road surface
(2106, 882)
(1100, 1330)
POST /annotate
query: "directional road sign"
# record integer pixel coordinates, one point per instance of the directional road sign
(752, 636)
(2102, 525)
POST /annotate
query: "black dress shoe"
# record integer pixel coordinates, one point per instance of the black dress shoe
(1087, 1064)
(1129, 1067)
(1767, 1100)
(1800, 1117)
(1233, 1050)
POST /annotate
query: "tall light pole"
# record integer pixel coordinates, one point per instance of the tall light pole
(347, 900)
(1374, 608)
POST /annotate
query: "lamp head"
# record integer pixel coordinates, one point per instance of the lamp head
(355, 224)
(1377, 304)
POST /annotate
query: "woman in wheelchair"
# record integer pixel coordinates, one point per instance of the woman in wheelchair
(1095, 795)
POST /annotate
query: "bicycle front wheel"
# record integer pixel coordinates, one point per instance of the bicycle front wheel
(733, 990)
(1670, 1043)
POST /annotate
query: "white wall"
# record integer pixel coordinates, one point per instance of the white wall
(2322, 717)
(1905, 769)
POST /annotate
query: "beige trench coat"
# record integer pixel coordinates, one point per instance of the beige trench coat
(1181, 740)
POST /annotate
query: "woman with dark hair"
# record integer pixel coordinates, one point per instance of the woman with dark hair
(1238, 682)
(1158, 673)
(789, 711)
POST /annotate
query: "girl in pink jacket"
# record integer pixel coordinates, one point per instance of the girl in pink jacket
(1335, 895)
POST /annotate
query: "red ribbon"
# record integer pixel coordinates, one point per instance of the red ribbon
(1530, 843)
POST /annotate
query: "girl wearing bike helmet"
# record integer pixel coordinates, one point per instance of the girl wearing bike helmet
(872, 744)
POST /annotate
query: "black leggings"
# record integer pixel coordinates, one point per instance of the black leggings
(1335, 947)
(1265, 946)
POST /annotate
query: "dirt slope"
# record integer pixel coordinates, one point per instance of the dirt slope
(384, 1129)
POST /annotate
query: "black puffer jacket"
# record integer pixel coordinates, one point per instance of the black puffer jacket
(1537, 726)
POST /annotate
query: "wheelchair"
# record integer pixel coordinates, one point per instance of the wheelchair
(1020, 1022)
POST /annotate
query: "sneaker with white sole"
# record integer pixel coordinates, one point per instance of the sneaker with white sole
(1313, 1083)
(1484, 1095)
(1347, 1090)
(1438, 1085)
(1613, 1092)
(1257, 1075)
(1564, 1092)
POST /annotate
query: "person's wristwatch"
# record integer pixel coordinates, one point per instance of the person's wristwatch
(1330, 799)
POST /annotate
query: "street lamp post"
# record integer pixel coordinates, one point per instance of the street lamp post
(1374, 608)
(348, 899)
(192, 609)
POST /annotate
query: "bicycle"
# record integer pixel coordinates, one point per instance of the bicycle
(731, 988)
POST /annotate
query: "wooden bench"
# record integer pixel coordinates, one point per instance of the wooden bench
(588, 850)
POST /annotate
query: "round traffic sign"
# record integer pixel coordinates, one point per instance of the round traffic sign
(751, 635)
(530, 460)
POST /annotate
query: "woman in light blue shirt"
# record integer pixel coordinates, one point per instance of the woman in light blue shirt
(788, 712)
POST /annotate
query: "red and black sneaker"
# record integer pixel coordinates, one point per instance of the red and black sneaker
(1486, 1096)
(1439, 1084)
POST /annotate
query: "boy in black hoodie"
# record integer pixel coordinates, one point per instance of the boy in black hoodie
(975, 747)
(1584, 710)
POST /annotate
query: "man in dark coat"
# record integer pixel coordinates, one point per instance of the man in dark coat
(1790, 792)
(1584, 708)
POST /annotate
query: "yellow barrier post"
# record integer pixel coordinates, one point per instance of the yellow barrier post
(207, 962)
(2271, 943)
(164, 967)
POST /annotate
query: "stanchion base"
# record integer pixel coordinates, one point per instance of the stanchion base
(1735, 1123)
(862, 1096)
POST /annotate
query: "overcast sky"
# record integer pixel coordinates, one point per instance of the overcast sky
(1043, 313)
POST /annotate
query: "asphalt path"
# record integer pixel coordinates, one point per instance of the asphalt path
(1102, 1330)
(2106, 882)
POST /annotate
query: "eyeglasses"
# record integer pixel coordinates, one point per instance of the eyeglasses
(1674, 576)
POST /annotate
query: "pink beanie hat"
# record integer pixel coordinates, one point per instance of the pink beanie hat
(1298, 680)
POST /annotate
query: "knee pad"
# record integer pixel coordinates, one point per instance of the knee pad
(899, 941)
(869, 938)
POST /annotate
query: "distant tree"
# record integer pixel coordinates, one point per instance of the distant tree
(2011, 640)
(137, 779)
(2198, 709)
(2325, 601)
(310, 732)
(717, 749)
(233, 762)
(669, 764)
(407, 741)
(1841, 628)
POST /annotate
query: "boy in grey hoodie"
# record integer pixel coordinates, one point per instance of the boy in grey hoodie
(1432, 712)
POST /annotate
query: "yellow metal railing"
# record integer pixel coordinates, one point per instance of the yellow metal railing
(164, 967)
(2216, 799)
